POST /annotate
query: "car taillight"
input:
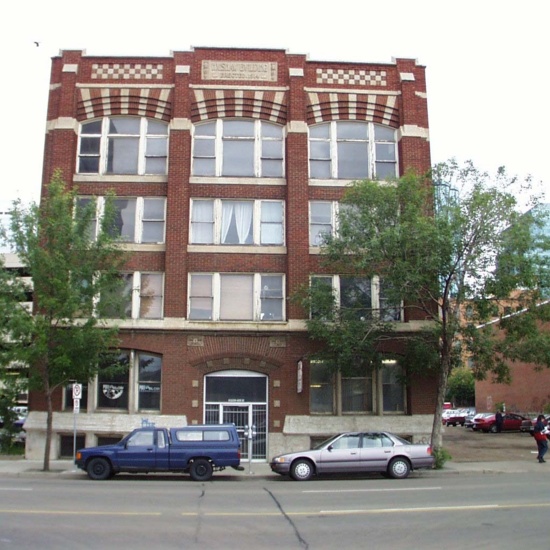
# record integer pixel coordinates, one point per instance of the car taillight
(429, 450)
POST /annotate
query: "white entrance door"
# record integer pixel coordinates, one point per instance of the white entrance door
(231, 397)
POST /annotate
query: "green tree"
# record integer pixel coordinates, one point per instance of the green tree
(66, 337)
(479, 251)
(461, 387)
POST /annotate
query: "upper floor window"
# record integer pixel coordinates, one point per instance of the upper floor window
(238, 147)
(123, 145)
(141, 297)
(323, 219)
(137, 219)
(236, 297)
(362, 297)
(237, 222)
(352, 150)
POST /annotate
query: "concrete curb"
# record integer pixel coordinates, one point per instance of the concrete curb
(66, 469)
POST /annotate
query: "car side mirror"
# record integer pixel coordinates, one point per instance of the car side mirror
(329, 448)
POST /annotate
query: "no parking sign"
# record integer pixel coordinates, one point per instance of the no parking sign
(77, 391)
(77, 394)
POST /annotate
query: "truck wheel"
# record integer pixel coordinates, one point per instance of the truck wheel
(201, 470)
(99, 469)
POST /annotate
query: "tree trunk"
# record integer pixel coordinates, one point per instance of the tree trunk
(49, 425)
(444, 371)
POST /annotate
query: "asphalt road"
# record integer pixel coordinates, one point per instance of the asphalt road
(450, 512)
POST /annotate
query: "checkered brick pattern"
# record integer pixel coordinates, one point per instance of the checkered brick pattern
(351, 77)
(127, 71)
(326, 106)
(265, 105)
(147, 102)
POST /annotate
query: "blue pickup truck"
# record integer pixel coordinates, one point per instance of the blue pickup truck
(196, 450)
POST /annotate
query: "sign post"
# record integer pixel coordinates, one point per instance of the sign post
(77, 394)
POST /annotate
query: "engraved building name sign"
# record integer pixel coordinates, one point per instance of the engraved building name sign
(239, 70)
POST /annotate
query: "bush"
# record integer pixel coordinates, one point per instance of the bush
(441, 456)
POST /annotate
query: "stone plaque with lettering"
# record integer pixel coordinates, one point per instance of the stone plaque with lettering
(239, 70)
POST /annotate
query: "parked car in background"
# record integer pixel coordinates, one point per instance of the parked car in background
(528, 425)
(356, 452)
(511, 422)
(470, 418)
(455, 418)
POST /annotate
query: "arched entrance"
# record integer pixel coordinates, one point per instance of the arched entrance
(239, 397)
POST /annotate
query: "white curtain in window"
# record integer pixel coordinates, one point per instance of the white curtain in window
(239, 212)
(227, 214)
(243, 218)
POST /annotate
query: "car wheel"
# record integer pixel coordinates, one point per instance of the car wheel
(301, 470)
(399, 468)
(99, 469)
(493, 429)
(201, 470)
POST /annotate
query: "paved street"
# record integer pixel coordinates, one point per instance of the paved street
(173, 512)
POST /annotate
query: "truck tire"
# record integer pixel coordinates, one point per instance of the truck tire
(99, 469)
(201, 470)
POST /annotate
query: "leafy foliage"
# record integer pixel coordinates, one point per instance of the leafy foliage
(66, 335)
(474, 251)
(461, 387)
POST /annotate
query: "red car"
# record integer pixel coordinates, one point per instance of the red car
(511, 422)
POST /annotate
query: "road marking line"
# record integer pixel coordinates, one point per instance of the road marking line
(374, 511)
(77, 513)
(375, 490)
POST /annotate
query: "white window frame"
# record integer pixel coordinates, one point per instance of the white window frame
(334, 212)
(136, 296)
(217, 221)
(258, 138)
(138, 221)
(377, 393)
(133, 386)
(256, 297)
(370, 142)
(104, 136)
(375, 293)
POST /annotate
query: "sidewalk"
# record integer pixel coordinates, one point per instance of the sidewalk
(65, 468)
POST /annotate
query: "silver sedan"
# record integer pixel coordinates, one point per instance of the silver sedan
(356, 452)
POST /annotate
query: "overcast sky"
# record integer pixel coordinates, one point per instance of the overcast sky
(487, 63)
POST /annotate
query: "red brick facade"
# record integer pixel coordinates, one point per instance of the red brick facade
(206, 84)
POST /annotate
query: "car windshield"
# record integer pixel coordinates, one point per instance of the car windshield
(402, 441)
(326, 442)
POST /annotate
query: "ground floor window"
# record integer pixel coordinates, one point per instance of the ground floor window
(380, 391)
(133, 387)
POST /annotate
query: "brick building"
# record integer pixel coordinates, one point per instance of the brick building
(227, 164)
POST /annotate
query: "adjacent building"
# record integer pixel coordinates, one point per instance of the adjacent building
(227, 166)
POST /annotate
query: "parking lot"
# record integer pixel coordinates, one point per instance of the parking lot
(465, 445)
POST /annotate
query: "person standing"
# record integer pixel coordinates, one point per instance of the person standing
(540, 437)
(499, 420)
